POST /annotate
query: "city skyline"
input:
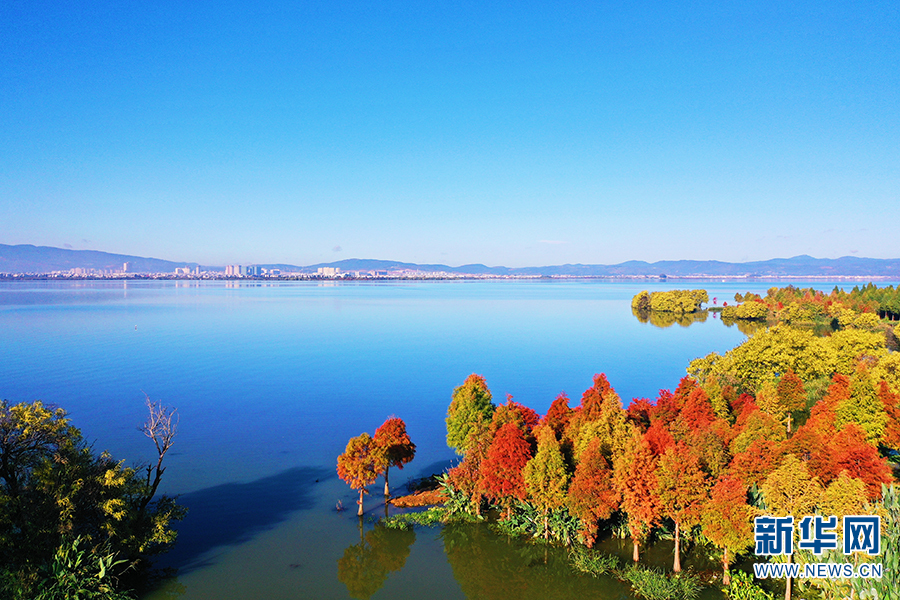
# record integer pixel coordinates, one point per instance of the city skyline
(541, 134)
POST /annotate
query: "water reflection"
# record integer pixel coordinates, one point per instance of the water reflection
(364, 567)
(746, 327)
(667, 319)
(488, 565)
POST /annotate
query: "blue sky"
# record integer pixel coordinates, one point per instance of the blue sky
(526, 133)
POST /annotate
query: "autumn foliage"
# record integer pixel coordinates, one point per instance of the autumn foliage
(692, 461)
(361, 464)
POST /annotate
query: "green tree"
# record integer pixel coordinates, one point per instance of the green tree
(471, 402)
(57, 497)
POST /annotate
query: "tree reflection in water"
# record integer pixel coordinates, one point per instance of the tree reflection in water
(667, 319)
(491, 566)
(365, 567)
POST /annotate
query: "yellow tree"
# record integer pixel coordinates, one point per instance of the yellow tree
(790, 491)
(361, 464)
(545, 475)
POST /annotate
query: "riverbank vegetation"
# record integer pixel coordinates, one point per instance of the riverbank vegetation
(75, 524)
(789, 409)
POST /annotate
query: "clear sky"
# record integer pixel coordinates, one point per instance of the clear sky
(506, 133)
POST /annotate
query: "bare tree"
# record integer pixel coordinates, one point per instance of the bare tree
(161, 426)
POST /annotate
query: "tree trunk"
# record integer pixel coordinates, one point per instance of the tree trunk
(726, 574)
(546, 530)
(787, 581)
(387, 492)
(360, 511)
(677, 566)
(636, 555)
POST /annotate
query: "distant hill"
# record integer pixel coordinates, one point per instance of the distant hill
(44, 259)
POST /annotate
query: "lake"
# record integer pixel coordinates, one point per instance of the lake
(271, 379)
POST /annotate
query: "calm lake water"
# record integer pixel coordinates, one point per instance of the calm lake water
(272, 379)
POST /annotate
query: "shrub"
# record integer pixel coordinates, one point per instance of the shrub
(656, 585)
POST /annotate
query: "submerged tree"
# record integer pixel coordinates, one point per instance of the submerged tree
(361, 464)
(398, 449)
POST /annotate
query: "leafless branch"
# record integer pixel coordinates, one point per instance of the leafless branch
(161, 426)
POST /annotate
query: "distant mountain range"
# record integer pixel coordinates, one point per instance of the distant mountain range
(44, 259)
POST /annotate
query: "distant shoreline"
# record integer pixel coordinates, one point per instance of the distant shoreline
(4, 277)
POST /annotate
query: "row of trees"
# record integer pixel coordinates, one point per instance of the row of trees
(787, 423)
(683, 459)
(860, 307)
(366, 457)
(72, 521)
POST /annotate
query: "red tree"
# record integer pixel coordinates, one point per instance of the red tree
(592, 495)
(513, 412)
(850, 452)
(398, 449)
(558, 415)
(639, 412)
(501, 470)
(754, 464)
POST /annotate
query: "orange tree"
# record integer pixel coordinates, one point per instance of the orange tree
(727, 520)
(592, 495)
(635, 477)
(361, 464)
(681, 485)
